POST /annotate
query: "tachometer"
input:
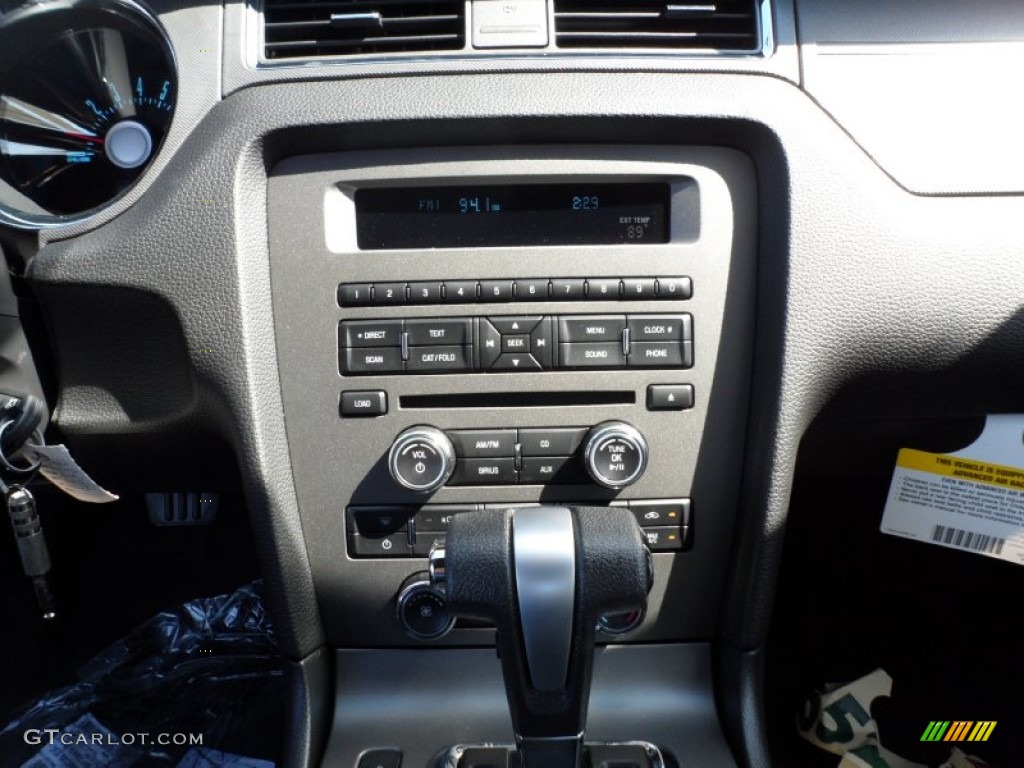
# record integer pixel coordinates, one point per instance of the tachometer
(87, 93)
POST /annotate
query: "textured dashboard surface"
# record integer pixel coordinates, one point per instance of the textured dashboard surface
(857, 276)
(929, 89)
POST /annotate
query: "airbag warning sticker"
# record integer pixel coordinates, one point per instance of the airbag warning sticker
(966, 500)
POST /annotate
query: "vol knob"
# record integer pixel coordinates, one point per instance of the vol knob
(615, 454)
(422, 459)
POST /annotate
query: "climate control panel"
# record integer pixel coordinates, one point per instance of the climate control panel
(402, 531)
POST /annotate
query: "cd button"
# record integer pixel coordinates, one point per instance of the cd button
(675, 288)
(516, 362)
(371, 360)
(591, 355)
(591, 328)
(426, 332)
(551, 442)
(637, 288)
(495, 290)
(440, 359)
(458, 291)
(424, 293)
(371, 333)
(515, 343)
(531, 290)
(513, 325)
(389, 293)
(660, 327)
(568, 290)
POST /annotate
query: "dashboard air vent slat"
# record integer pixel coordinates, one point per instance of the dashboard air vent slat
(318, 28)
(725, 25)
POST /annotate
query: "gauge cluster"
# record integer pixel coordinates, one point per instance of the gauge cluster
(87, 94)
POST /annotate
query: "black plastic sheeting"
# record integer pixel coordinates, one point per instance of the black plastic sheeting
(209, 669)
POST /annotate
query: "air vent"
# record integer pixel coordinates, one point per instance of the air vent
(729, 26)
(321, 28)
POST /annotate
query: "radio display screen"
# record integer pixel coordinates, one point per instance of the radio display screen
(521, 214)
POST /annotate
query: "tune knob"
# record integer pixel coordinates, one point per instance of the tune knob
(615, 454)
(422, 459)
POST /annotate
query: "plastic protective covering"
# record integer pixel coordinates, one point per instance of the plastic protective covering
(195, 687)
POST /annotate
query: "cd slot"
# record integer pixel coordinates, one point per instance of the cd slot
(517, 399)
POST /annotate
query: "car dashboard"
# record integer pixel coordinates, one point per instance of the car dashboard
(533, 253)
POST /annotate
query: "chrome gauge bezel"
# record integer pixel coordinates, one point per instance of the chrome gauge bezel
(25, 29)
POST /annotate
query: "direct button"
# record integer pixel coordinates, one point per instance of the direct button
(591, 328)
(371, 333)
(430, 332)
(483, 443)
(371, 360)
(370, 403)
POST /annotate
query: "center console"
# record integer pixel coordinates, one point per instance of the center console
(477, 328)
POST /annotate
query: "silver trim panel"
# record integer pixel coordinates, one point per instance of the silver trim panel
(544, 555)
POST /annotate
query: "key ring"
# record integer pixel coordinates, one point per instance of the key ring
(33, 466)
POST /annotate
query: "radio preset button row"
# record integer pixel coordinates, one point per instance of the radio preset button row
(521, 289)
(514, 343)
(411, 531)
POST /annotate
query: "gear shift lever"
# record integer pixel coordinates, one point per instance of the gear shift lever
(543, 576)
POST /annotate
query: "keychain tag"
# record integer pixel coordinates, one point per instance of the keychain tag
(971, 500)
(57, 465)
